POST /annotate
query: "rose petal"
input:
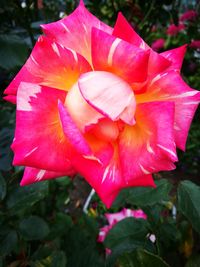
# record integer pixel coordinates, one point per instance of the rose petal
(23, 75)
(10, 98)
(124, 30)
(72, 132)
(148, 146)
(176, 56)
(65, 65)
(81, 112)
(62, 72)
(74, 31)
(157, 63)
(38, 129)
(106, 180)
(32, 175)
(169, 86)
(106, 130)
(87, 145)
(102, 90)
(119, 57)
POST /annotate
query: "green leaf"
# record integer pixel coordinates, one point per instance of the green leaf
(188, 202)
(2, 187)
(127, 230)
(126, 236)
(142, 258)
(8, 243)
(85, 256)
(145, 196)
(13, 51)
(24, 197)
(61, 225)
(58, 259)
(33, 228)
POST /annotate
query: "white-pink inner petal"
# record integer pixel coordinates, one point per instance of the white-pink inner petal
(108, 94)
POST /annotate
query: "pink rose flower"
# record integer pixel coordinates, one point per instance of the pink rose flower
(174, 30)
(99, 101)
(158, 44)
(195, 44)
(114, 218)
(189, 15)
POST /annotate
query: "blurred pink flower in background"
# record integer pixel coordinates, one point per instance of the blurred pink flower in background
(189, 15)
(40, 4)
(158, 44)
(154, 28)
(195, 44)
(174, 30)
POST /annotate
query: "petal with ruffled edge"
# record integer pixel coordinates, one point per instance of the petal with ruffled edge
(23, 75)
(32, 175)
(102, 89)
(119, 57)
(176, 56)
(51, 65)
(74, 31)
(148, 146)
(169, 86)
(124, 30)
(39, 139)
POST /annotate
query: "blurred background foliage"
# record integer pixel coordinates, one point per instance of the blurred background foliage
(43, 224)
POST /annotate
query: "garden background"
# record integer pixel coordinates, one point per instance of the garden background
(44, 224)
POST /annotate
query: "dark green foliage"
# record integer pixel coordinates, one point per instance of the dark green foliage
(145, 197)
(142, 258)
(188, 202)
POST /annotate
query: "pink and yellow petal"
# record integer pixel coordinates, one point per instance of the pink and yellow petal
(119, 57)
(169, 86)
(148, 146)
(51, 65)
(74, 31)
(72, 133)
(33, 175)
(58, 67)
(87, 144)
(38, 129)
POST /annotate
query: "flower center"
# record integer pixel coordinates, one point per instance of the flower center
(101, 99)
